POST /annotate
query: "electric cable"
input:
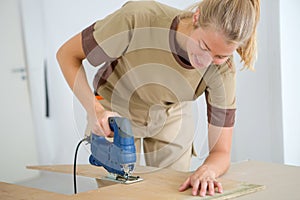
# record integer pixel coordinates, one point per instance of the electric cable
(75, 160)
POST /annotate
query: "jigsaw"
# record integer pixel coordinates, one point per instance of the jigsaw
(117, 157)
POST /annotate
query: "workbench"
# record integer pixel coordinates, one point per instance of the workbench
(244, 180)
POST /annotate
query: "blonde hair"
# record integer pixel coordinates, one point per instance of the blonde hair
(237, 20)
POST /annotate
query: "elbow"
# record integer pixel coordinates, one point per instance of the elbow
(70, 52)
(63, 56)
(59, 54)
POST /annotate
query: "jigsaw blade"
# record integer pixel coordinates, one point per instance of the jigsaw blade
(126, 179)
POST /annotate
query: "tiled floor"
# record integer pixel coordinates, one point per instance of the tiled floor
(60, 183)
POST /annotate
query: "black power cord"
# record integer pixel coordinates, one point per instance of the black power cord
(75, 160)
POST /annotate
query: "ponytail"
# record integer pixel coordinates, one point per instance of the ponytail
(248, 51)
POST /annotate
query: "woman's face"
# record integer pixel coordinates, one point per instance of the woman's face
(206, 46)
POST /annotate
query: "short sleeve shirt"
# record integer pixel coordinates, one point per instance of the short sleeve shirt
(144, 67)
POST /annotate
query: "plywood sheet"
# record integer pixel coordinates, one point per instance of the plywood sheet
(167, 189)
(82, 170)
(15, 192)
(160, 184)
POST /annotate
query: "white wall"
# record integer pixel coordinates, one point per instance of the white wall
(48, 23)
(32, 18)
(290, 70)
(258, 132)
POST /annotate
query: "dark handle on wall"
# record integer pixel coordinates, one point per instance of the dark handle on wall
(46, 89)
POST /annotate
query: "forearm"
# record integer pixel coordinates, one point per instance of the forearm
(84, 93)
(220, 149)
(70, 57)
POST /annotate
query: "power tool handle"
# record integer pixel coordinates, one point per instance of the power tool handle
(112, 124)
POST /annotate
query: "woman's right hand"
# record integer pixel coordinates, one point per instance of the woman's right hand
(99, 122)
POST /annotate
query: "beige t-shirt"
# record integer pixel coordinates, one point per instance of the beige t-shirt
(146, 71)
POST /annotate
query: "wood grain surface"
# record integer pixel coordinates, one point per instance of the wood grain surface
(157, 184)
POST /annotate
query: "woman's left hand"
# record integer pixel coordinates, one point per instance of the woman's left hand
(203, 181)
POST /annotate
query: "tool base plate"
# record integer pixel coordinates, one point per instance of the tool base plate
(121, 179)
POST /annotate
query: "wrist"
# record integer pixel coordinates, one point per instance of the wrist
(209, 168)
(96, 107)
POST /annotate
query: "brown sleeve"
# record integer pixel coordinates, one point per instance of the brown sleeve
(220, 117)
(221, 95)
(94, 53)
(108, 38)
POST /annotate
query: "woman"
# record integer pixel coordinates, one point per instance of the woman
(157, 60)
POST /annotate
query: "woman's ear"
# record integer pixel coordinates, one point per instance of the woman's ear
(196, 17)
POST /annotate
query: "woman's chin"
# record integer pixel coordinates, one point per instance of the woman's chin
(198, 65)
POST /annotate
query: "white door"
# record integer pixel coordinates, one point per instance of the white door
(17, 143)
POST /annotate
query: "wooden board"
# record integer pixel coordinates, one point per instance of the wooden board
(280, 181)
(82, 170)
(16, 192)
(161, 184)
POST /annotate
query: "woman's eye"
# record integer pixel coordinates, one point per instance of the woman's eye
(221, 57)
(202, 47)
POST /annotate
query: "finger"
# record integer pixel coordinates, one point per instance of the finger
(185, 185)
(219, 186)
(195, 189)
(107, 131)
(105, 126)
(203, 188)
(111, 134)
(211, 188)
(96, 129)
